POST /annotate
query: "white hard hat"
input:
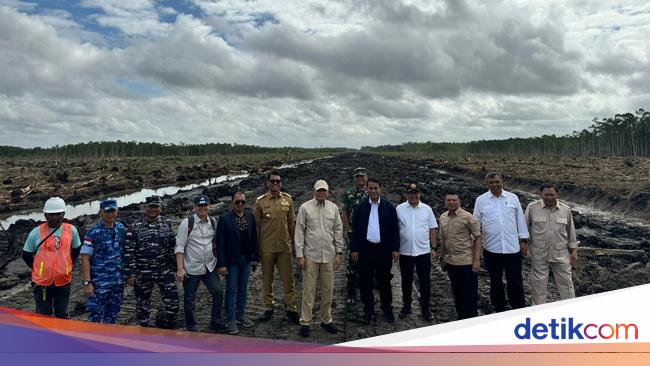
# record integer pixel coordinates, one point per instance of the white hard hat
(54, 205)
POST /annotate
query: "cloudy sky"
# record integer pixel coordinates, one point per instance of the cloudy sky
(312, 73)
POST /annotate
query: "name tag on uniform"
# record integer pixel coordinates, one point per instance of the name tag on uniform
(561, 220)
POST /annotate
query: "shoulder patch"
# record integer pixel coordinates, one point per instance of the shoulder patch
(285, 194)
(560, 203)
(260, 197)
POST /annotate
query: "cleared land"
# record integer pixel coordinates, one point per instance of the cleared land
(606, 183)
(613, 254)
(26, 183)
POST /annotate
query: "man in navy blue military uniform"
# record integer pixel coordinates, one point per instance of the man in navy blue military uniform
(101, 260)
(149, 260)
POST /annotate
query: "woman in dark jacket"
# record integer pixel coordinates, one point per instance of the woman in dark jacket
(237, 253)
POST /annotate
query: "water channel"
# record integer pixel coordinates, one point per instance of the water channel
(92, 207)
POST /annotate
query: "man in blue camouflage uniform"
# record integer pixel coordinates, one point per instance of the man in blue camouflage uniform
(101, 260)
(349, 202)
(148, 260)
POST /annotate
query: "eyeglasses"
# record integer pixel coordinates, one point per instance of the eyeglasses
(275, 181)
(240, 202)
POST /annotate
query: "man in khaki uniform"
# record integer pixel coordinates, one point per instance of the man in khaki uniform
(319, 246)
(460, 253)
(552, 244)
(274, 216)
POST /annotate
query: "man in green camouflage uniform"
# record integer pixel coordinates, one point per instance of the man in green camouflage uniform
(351, 198)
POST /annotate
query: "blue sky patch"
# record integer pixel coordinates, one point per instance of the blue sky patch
(142, 88)
(261, 19)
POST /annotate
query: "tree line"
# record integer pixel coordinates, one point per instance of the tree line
(625, 134)
(110, 149)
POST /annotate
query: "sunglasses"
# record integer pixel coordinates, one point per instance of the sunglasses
(240, 202)
(275, 181)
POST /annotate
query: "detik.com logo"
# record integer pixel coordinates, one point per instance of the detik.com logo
(568, 328)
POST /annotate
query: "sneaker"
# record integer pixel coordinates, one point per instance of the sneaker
(266, 316)
(404, 312)
(329, 327)
(304, 331)
(193, 329)
(245, 322)
(390, 318)
(293, 316)
(219, 327)
(232, 327)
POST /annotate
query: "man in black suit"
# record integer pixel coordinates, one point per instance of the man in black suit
(376, 241)
(237, 252)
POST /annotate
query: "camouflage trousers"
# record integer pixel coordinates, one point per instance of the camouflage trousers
(168, 293)
(106, 302)
(351, 273)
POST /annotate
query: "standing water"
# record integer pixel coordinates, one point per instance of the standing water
(92, 207)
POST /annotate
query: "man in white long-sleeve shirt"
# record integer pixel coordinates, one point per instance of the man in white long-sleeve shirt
(319, 245)
(505, 235)
(196, 263)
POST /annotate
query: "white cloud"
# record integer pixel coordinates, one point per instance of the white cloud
(309, 73)
(133, 17)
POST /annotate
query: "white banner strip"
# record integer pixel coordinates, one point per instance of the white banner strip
(611, 317)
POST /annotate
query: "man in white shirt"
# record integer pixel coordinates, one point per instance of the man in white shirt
(196, 263)
(505, 234)
(418, 233)
(319, 246)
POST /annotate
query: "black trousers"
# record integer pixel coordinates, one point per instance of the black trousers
(374, 267)
(422, 264)
(510, 264)
(52, 297)
(464, 286)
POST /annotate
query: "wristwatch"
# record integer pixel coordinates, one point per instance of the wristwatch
(86, 283)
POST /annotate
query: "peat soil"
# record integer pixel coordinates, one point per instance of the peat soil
(613, 254)
(26, 183)
(617, 184)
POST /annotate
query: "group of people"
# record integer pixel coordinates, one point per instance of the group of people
(378, 233)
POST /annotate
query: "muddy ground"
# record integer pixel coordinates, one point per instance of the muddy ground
(608, 183)
(25, 183)
(613, 254)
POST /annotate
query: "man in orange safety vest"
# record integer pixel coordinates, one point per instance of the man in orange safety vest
(50, 250)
